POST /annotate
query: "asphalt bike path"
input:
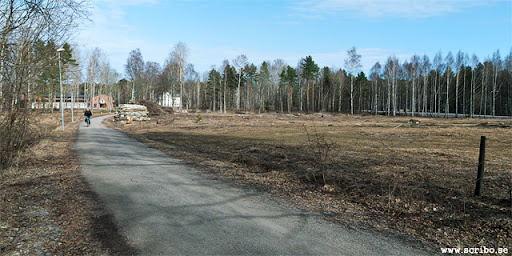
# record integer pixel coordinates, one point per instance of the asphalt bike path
(166, 207)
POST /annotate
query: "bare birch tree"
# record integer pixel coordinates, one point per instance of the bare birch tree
(134, 69)
(180, 55)
(151, 71)
(426, 70)
(449, 64)
(341, 81)
(353, 64)
(375, 72)
(239, 63)
(415, 62)
(275, 70)
(473, 85)
(496, 59)
(438, 63)
(459, 59)
(93, 73)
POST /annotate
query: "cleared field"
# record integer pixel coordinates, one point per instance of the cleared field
(382, 172)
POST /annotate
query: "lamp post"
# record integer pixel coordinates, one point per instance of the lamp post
(60, 76)
(72, 101)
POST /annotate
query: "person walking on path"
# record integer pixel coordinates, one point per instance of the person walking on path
(88, 115)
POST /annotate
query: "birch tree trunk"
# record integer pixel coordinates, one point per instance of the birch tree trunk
(110, 99)
(439, 94)
(395, 89)
(238, 91)
(290, 99)
(313, 94)
(425, 84)
(494, 85)
(482, 89)
(464, 95)
(307, 95)
(447, 106)
(182, 96)
(375, 96)
(472, 98)
(281, 106)
(247, 96)
(436, 94)
(301, 96)
(340, 92)
(413, 102)
(449, 63)
(389, 97)
(198, 87)
(360, 95)
(457, 92)
(352, 94)
(224, 99)
(214, 97)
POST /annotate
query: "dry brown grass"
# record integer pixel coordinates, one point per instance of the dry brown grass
(382, 171)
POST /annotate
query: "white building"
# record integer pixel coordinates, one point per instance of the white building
(170, 101)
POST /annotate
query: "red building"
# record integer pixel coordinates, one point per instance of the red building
(102, 101)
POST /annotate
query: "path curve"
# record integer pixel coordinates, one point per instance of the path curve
(165, 207)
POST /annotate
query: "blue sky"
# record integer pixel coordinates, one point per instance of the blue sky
(215, 30)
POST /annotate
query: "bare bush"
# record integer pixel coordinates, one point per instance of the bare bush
(13, 127)
(20, 130)
(321, 148)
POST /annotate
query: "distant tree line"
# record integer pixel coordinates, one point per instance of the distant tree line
(455, 84)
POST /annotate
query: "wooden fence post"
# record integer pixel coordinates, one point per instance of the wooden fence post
(481, 163)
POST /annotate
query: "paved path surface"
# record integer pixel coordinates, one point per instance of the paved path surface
(165, 207)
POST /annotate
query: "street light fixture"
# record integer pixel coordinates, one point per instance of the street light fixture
(60, 76)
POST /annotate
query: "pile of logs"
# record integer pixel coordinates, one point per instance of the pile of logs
(131, 112)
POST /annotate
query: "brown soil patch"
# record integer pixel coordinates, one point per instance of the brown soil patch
(383, 173)
(156, 110)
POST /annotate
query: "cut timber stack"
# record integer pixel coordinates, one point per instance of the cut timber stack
(135, 112)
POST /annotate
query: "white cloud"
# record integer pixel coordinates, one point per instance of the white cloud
(393, 8)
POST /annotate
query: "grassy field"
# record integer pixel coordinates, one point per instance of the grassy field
(383, 173)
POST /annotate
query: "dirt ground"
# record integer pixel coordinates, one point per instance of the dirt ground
(410, 178)
(46, 206)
